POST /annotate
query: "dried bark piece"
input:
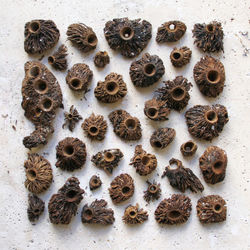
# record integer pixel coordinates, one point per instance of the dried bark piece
(97, 213)
(188, 148)
(134, 215)
(101, 59)
(182, 178)
(213, 164)
(58, 59)
(130, 37)
(121, 188)
(180, 57)
(71, 118)
(63, 205)
(82, 36)
(209, 75)
(147, 70)
(153, 191)
(40, 35)
(38, 173)
(211, 209)
(162, 137)
(112, 89)
(174, 210)
(206, 122)
(70, 154)
(35, 208)
(95, 182)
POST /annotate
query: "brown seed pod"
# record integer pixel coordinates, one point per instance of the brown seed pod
(130, 37)
(101, 59)
(121, 188)
(35, 208)
(82, 36)
(134, 215)
(206, 122)
(63, 205)
(170, 31)
(107, 159)
(97, 213)
(71, 154)
(112, 89)
(174, 210)
(147, 70)
(40, 35)
(211, 209)
(180, 57)
(213, 164)
(153, 191)
(162, 137)
(58, 59)
(38, 173)
(188, 148)
(71, 118)
(209, 75)
(209, 37)
(95, 182)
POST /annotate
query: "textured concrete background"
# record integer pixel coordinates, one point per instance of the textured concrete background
(16, 232)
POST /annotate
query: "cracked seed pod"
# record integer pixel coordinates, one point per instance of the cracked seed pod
(130, 37)
(174, 210)
(209, 75)
(82, 36)
(162, 137)
(101, 59)
(98, 213)
(147, 70)
(71, 118)
(143, 162)
(112, 89)
(211, 209)
(213, 164)
(35, 208)
(188, 148)
(40, 35)
(180, 57)
(209, 37)
(182, 178)
(107, 159)
(170, 32)
(153, 191)
(206, 122)
(94, 182)
(134, 215)
(70, 154)
(121, 188)
(63, 205)
(38, 173)
(58, 60)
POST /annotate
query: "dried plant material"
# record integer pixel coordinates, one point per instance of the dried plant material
(82, 36)
(153, 191)
(58, 59)
(147, 70)
(35, 208)
(70, 154)
(94, 182)
(112, 89)
(206, 122)
(209, 75)
(211, 209)
(101, 59)
(180, 57)
(130, 37)
(213, 164)
(134, 215)
(98, 213)
(71, 118)
(188, 148)
(40, 35)
(162, 137)
(38, 173)
(63, 205)
(121, 188)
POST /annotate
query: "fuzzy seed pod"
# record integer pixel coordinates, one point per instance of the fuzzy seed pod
(134, 215)
(94, 182)
(58, 60)
(162, 137)
(188, 148)
(71, 118)
(153, 191)
(101, 59)
(35, 208)
(180, 57)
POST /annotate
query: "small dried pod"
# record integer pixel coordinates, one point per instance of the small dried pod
(58, 60)
(35, 208)
(180, 57)
(101, 59)
(188, 148)
(71, 118)
(134, 215)
(162, 137)
(153, 191)
(95, 182)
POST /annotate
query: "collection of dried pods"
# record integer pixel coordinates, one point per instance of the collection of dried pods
(42, 96)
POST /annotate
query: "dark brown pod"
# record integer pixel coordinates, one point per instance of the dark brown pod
(188, 148)
(153, 191)
(180, 57)
(101, 59)
(35, 208)
(58, 59)
(40, 35)
(147, 70)
(71, 118)
(134, 215)
(130, 37)
(213, 164)
(162, 137)
(95, 182)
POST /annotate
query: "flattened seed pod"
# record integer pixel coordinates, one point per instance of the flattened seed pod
(71, 118)
(134, 215)
(153, 191)
(188, 148)
(180, 57)
(162, 137)
(94, 182)
(101, 59)
(35, 208)
(58, 59)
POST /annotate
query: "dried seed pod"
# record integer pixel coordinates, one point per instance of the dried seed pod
(182, 178)
(188, 148)
(35, 208)
(180, 57)
(63, 205)
(82, 36)
(97, 213)
(206, 122)
(95, 182)
(101, 59)
(107, 159)
(112, 89)
(121, 188)
(209, 37)
(128, 36)
(147, 70)
(38, 173)
(71, 118)
(211, 209)
(134, 215)
(71, 154)
(143, 162)
(58, 59)
(153, 191)
(162, 137)
(213, 164)
(209, 75)
(40, 35)
(170, 32)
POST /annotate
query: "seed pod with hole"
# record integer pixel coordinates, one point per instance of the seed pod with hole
(188, 148)
(162, 137)
(58, 59)
(71, 118)
(134, 215)
(94, 182)
(35, 208)
(180, 57)
(153, 191)
(101, 59)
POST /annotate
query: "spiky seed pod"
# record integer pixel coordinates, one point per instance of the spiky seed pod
(134, 215)
(162, 137)
(58, 60)
(112, 89)
(153, 191)
(94, 182)
(71, 118)
(206, 122)
(35, 208)
(40, 35)
(180, 57)
(188, 148)
(101, 59)
(130, 37)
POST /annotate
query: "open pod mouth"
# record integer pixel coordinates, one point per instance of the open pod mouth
(211, 116)
(152, 188)
(75, 83)
(68, 150)
(112, 87)
(40, 86)
(131, 123)
(174, 215)
(127, 33)
(171, 27)
(210, 28)
(126, 190)
(189, 146)
(178, 93)
(218, 167)
(34, 27)
(71, 195)
(217, 208)
(92, 40)
(93, 130)
(31, 174)
(152, 112)
(149, 69)
(47, 104)
(34, 71)
(176, 55)
(109, 157)
(88, 214)
(213, 76)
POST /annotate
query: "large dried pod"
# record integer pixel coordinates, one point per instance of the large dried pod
(58, 59)
(134, 215)
(206, 122)
(188, 148)
(101, 59)
(40, 35)
(130, 37)
(153, 191)
(71, 118)
(180, 57)
(94, 182)
(35, 208)
(162, 137)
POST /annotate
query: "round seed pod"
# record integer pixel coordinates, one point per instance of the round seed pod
(58, 60)
(188, 148)
(180, 57)
(162, 137)
(153, 191)
(95, 182)
(101, 59)
(35, 208)
(134, 215)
